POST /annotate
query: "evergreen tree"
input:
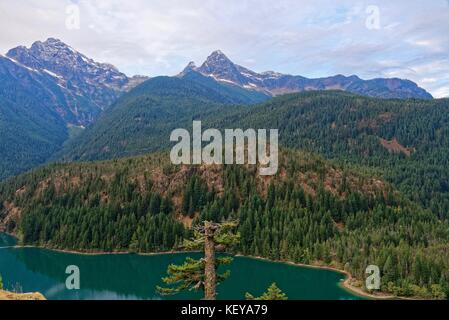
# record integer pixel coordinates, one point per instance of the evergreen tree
(202, 274)
(272, 293)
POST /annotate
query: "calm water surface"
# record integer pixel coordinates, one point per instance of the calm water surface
(135, 277)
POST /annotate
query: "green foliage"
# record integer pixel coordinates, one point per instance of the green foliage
(142, 120)
(348, 128)
(188, 276)
(273, 293)
(31, 131)
(191, 275)
(95, 207)
(313, 212)
(29, 134)
(195, 195)
(1, 282)
(339, 125)
(224, 237)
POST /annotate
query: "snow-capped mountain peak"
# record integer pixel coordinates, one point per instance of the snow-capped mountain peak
(61, 59)
(219, 67)
(81, 80)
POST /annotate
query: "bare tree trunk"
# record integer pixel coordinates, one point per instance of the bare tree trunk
(210, 276)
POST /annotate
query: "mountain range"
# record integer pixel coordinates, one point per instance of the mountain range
(362, 176)
(49, 92)
(85, 87)
(219, 67)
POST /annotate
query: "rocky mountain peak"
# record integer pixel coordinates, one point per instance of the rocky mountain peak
(219, 67)
(85, 86)
(218, 55)
(217, 59)
(191, 65)
(189, 68)
(61, 59)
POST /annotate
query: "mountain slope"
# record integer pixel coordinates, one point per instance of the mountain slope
(44, 92)
(406, 140)
(311, 212)
(239, 95)
(88, 86)
(141, 121)
(30, 128)
(220, 68)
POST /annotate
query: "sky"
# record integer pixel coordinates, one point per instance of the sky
(402, 38)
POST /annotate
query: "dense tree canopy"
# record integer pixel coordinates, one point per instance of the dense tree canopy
(312, 212)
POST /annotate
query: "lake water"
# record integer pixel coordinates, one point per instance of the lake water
(128, 276)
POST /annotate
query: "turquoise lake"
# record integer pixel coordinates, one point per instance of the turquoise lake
(130, 276)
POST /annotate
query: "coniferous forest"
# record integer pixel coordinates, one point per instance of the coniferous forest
(257, 150)
(312, 212)
(370, 186)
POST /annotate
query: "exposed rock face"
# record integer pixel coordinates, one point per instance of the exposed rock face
(5, 295)
(220, 68)
(84, 86)
(45, 91)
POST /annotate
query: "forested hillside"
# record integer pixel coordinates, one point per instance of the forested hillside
(405, 140)
(29, 137)
(142, 120)
(383, 200)
(30, 128)
(311, 212)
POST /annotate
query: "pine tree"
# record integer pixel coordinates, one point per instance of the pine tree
(273, 293)
(202, 274)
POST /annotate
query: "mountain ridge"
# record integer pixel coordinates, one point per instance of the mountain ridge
(219, 67)
(150, 111)
(49, 90)
(46, 92)
(88, 86)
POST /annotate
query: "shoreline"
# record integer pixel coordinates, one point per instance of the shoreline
(346, 284)
(7, 295)
(100, 253)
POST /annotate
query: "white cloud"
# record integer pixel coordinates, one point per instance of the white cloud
(311, 38)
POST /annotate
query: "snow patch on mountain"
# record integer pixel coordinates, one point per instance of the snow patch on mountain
(219, 67)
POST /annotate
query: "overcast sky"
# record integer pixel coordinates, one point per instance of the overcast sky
(401, 38)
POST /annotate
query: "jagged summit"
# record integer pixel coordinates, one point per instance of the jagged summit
(61, 59)
(217, 55)
(189, 68)
(217, 59)
(219, 67)
(52, 42)
(84, 86)
(217, 52)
